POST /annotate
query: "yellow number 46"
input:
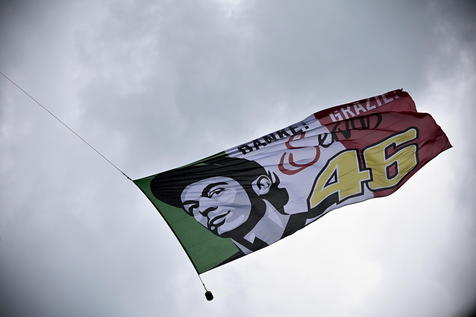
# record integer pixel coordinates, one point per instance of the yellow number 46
(385, 165)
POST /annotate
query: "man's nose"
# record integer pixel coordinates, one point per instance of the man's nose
(206, 207)
(207, 211)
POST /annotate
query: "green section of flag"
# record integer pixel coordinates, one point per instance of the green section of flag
(205, 249)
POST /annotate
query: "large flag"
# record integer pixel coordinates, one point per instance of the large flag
(243, 199)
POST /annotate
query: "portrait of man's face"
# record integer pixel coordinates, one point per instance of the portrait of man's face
(232, 197)
(218, 203)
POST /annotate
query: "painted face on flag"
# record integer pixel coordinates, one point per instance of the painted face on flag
(218, 203)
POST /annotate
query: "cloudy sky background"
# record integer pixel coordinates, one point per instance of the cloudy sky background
(157, 84)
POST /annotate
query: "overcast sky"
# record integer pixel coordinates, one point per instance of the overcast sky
(158, 84)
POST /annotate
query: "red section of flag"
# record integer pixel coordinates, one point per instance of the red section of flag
(431, 139)
(388, 115)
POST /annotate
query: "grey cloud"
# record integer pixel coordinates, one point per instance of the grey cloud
(163, 83)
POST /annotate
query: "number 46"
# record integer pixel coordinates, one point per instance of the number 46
(385, 167)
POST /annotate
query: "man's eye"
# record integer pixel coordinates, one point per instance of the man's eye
(216, 192)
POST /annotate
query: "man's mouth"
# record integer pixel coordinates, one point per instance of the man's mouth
(217, 221)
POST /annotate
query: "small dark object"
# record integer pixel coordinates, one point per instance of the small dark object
(208, 295)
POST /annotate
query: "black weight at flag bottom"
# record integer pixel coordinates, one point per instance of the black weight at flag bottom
(208, 295)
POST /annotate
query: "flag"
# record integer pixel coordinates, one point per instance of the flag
(247, 197)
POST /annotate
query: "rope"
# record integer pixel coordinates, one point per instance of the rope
(208, 294)
(64, 124)
(206, 290)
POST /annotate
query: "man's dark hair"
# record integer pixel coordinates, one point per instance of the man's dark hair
(168, 186)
